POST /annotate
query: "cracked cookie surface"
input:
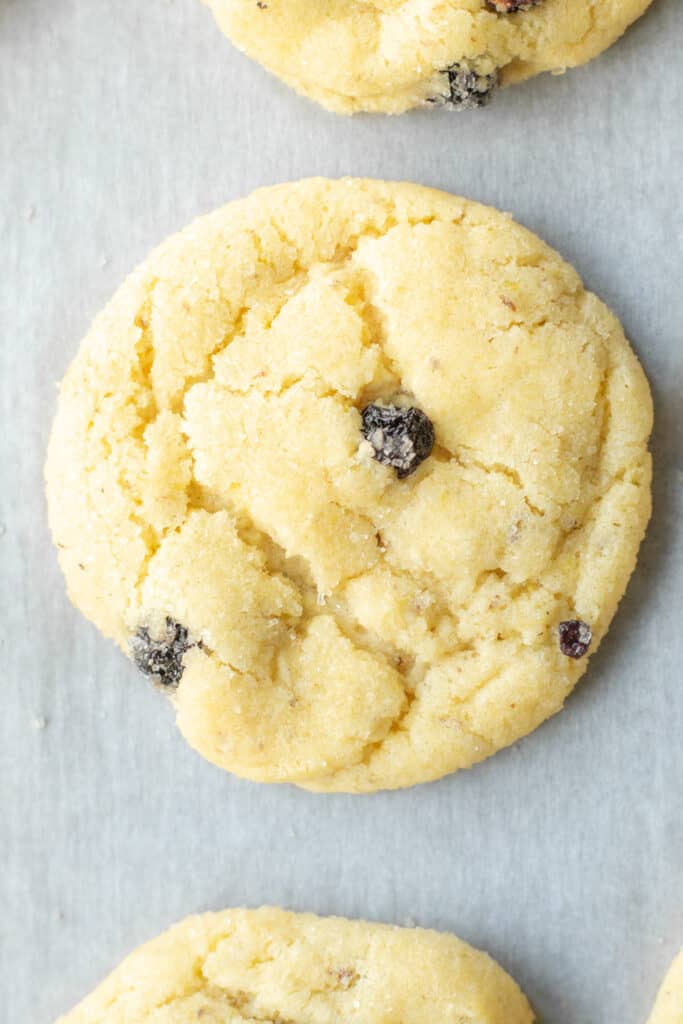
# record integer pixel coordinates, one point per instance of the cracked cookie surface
(275, 967)
(668, 1008)
(208, 479)
(391, 55)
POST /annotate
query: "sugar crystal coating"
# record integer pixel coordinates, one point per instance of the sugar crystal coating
(382, 55)
(359, 630)
(264, 965)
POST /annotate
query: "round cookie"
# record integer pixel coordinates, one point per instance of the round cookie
(390, 55)
(668, 1008)
(357, 472)
(248, 966)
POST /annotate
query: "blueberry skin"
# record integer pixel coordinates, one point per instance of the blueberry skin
(575, 637)
(161, 660)
(402, 438)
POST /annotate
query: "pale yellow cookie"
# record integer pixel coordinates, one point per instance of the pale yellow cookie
(220, 504)
(668, 1008)
(390, 55)
(274, 967)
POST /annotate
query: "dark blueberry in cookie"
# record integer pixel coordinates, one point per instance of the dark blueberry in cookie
(467, 89)
(575, 638)
(510, 6)
(162, 659)
(402, 438)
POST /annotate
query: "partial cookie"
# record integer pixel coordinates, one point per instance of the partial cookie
(268, 966)
(668, 1008)
(390, 55)
(357, 473)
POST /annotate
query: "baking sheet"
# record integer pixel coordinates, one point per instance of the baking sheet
(563, 856)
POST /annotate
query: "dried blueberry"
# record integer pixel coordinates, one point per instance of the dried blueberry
(467, 89)
(510, 6)
(162, 659)
(402, 438)
(575, 638)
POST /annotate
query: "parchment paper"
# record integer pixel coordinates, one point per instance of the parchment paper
(563, 856)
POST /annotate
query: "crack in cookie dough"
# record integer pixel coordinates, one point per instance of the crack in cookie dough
(389, 57)
(275, 967)
(351, 630)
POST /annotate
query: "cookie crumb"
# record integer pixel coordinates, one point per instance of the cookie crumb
(575, 637)
(402, 438)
